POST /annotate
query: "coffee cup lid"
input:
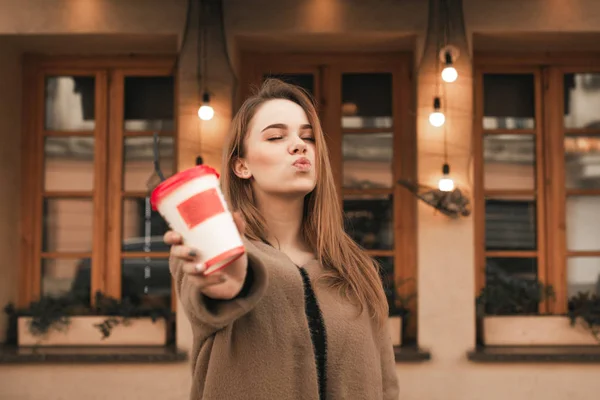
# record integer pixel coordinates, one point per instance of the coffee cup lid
(175, 181)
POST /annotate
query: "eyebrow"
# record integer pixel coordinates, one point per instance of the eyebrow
(284, 126)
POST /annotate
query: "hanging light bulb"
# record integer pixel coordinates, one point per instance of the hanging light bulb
(437, 118)
(446, 184)
(449, 73)
(206, 112)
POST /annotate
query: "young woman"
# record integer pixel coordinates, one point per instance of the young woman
(303, 314)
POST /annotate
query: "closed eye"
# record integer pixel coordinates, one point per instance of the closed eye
(274, 138)
(310, 139)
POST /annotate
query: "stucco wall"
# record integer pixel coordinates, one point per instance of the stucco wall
(446, 270)
(42, 17)
(510, 16)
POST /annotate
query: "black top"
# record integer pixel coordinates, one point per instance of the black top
(316, 325)
(318, 334)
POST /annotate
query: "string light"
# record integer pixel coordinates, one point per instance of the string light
(206, 112)
(447, 55)
(446, 184)
(449, 73)
(437, 118)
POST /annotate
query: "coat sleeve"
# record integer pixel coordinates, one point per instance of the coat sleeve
(389, 375)
(208, 315)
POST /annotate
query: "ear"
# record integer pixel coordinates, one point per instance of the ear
(241, 170)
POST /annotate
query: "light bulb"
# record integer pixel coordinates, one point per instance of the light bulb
(206, 112)
(437, 118)
(446, 184)
(449, 74)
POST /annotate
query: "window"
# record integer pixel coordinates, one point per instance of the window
(537, 152)
(364, 103)
(87, 166)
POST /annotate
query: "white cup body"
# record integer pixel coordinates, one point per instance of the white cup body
(197, 210)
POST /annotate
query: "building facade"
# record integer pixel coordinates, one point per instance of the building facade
(85, 84)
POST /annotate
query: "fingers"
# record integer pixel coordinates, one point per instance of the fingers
(195, 274)
(185, 253)
(172, 237)
(202, 282)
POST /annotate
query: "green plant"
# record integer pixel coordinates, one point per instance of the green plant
(48, 313)
(585, 306)
(121, 312)
(51, 312)
(504, 294)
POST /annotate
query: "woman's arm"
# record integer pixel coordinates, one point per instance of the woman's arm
(210, 314)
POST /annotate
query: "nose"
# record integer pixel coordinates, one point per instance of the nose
(298, 146)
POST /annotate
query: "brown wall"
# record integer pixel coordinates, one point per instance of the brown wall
(10, 167)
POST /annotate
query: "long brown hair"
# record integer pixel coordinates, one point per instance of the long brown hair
(348, 267)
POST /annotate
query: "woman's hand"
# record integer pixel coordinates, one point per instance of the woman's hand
(224, 284)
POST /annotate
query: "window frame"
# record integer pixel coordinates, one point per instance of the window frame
(327, 92)
(549, 69)
(105, 272)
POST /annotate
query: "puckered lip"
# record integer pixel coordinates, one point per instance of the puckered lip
(302, 161)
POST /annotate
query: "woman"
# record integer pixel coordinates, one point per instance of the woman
(302, 314)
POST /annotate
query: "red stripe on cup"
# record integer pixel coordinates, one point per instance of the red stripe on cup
(232, 254)
(200, 207)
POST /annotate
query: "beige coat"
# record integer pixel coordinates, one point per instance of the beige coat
(258, 346)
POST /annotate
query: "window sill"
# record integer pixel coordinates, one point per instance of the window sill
(30, 355)
(531, 354)
(410, 354)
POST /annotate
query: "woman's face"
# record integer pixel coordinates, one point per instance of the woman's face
(280, 151)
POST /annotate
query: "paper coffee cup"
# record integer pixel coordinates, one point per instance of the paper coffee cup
(193, 205)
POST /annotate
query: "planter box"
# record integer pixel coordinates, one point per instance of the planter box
(535, 330)
(395, 329)
(82, 332)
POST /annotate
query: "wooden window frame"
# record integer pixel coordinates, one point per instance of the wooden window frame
(327, 91)
(548, 69)
(105, 254)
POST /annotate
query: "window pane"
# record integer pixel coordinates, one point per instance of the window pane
(582, 100)
(367, 160)
(510, 223)
(583, 275)
(67, 225)
(508, 101)
(69, 163)
(146, 280)
(149, 103)
(386, 265)
(305, 81)
(369, 220)
(62, 276)
(582, 162)
(504, 277)
(367, 100)
(509, 162)
(583, 222)
(70, 103)
(138, 166)
(143, 228)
